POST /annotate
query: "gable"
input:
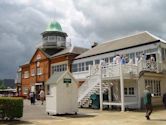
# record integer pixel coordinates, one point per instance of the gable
(39, 55)
(58, 76)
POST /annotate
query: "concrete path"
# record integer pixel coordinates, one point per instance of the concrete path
(36, 115)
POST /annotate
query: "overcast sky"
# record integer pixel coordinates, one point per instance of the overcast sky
(85, 21)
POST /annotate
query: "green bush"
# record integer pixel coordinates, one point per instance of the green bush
(11, 107)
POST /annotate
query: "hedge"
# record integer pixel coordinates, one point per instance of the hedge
(11, 107)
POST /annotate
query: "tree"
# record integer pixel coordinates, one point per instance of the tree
(2, 86)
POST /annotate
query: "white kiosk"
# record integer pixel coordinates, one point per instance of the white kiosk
(62, 94)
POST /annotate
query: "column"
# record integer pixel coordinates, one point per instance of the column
(101, 94)
(122, 88)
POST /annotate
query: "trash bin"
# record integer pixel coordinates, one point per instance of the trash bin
(95, 99)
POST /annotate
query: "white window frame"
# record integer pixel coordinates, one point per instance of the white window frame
(127, 91)
(33, 72)
(26, 74)
(59, 68)
(39, 71)
(155, 86)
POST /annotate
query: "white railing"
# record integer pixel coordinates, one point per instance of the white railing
(89, 84)
(148, 66)
(130, 69)
(110, 70)
(113, 70)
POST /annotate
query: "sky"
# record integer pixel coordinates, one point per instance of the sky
(85, 22)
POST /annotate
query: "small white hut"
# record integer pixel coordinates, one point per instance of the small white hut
(62, 94)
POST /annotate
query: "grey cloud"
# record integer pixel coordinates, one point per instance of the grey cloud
(22, 23)
(111, 18)
(19, 33)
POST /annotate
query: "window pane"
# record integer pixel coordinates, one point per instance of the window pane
(74, 68)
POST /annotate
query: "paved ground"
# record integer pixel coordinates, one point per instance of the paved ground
(36, 115)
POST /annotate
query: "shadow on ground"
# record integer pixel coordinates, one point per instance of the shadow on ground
(14, 122)
(162, 120)
(76, 116)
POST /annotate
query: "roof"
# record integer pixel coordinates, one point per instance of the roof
(73, 50)
(54, 78)
(54, 26)
(121, 43)
(49, 52)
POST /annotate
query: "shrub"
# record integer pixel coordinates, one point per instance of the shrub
(11, 107)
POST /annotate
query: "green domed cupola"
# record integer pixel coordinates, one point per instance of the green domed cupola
(54, 26)
(54, 37)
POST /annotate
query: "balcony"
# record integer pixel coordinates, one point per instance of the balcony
(114, 71)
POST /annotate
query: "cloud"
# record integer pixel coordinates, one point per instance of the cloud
(111, 18)
(84, 21)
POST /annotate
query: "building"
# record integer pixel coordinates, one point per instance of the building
(100, 70)
(52, 55)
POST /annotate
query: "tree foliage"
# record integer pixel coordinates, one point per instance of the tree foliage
(2, 86)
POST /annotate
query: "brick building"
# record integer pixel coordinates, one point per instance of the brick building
(51, 56)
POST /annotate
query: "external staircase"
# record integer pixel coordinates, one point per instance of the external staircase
(90, 86)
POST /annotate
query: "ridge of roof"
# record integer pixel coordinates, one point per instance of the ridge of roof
(124, 37)
(69, 50)
(120, 43)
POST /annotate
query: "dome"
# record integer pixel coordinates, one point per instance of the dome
(54, 26)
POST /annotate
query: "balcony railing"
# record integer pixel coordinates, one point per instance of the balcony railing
(128, 70)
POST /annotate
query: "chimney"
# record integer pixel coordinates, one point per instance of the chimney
(94, 44)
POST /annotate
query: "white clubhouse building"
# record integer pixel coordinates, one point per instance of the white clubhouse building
(125, 83)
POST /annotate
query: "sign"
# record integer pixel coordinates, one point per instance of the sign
(67, 80)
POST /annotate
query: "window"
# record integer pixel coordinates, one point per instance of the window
(52, 38)
(38, 64)
(132, 56)
(39, 71)
(163, 51)
(81, 67)
(62, 38)
(125, 91)
(33, 72)
(58, 68)
(25, 90)
(131, 91)
(155, 87)
(58, 38)
(38, 57)
(45, 38)
(26, 74)
(105, 59)
(74, 68)
(97, 61)
(111, 59)
(88, 63)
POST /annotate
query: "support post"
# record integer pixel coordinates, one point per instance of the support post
(122, 88)
(101, 94)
